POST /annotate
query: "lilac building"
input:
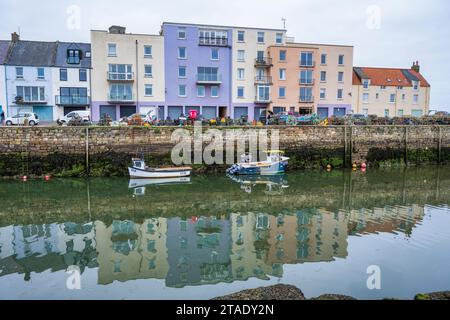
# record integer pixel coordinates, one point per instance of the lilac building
(198, 62)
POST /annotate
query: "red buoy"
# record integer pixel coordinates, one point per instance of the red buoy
(47, 178)
(24, 178)
(364, 166)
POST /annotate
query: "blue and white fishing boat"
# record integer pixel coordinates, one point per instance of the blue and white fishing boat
(276, 163)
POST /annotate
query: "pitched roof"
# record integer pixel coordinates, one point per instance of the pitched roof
(4, 46)
(388, 77)
(61, 54)
(32, 53)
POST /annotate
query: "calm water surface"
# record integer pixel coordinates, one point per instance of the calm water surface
(212, 236)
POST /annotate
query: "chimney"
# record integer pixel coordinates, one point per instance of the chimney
(15, 37)
(416, 67)
(117, 30)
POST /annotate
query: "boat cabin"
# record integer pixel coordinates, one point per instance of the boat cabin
(138, 164)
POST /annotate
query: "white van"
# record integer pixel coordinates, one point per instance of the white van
(84, 114)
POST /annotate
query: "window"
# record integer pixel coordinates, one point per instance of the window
(403, 97)
(279, 38)
(241, 55)
(417, 113)
(282, 55)
(340, 94)
(377, 96)
(121, 92)
(19, 73)
(383, 88)
(400, 87)
(214, 91)
(260, 37)
(182, 33)
(241, 36)
(73, 96)
(201, 91)
(120, 72)
(31, 94)
(213, 37)
(63, 74)
(181, 72)
(323, 93)
(386, 112)
(323, 76)
(240, 92)
(182, 53)
(263, 93)
(341, 76)
(306, 59)
(306, 77)
(365, 97)
(148, 71)
(241, 74)
(341, 60)
(208, 74)
(214, 54)
(306, 94)
(112, 50)
(282, 92)
(400, 113)
(392, 98)
(87, 54)
(323, 58)
(416, 99)
(148, 51)
(41, 73)
(148, 90)
(365, 111)
(415, 85)
(182, 90)
(282, 74)
(74, 56)
(366, 83)
(82, 75)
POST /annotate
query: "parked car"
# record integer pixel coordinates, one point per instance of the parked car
(23, 118)
(83, 114)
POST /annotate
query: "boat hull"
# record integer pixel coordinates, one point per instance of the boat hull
(137, 183)
(270, 169)
(158, 174)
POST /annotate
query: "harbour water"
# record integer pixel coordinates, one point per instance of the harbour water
(209, 236)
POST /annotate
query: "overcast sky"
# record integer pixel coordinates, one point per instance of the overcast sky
(385, 33)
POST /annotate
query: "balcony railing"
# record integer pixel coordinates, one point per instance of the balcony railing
(262, 99)
(121, 76)
(307, 64)
(30, 100)
(263, 62)
(121, 98)
(306, 82)
(263, 80)
(209, 78)
(306, 99)
(72, 101)
(213, 41)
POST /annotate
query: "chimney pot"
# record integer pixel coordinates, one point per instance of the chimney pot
(15, 37)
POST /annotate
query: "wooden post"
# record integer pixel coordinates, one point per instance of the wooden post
(406, 145)
(87, 150)
(350, 151)
(440, 145)
(345, 147)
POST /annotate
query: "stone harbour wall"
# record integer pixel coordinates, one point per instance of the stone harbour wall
(106, 151)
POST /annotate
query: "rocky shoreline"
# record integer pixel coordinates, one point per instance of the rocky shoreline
(288, 292)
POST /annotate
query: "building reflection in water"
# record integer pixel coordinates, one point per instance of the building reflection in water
(198, 250)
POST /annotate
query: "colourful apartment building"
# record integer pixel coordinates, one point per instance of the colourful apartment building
(390, 92)
(128, 73)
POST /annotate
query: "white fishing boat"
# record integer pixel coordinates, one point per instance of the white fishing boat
(140, 171)
(138, 183)
(276, 163)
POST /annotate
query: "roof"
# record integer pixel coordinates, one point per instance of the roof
(32, 53)
(219, 26)
(4, 46)
(388, 76)
(61, 54)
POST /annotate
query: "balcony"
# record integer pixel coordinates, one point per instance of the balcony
(121, 76)
(263, 62)
(306, 99)
(306, 82)
(120, 98)
(209, 78)
(213, 41)
(72, 101)
(267, 80)
(262, 100)
(30, 100)
(307, 64)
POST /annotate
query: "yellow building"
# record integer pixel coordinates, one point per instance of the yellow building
(389, 92)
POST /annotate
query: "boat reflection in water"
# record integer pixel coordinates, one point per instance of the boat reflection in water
(139, 184)
(272, 185)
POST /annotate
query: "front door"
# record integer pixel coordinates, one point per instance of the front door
(126, 111)
(339, 112)
(223, 112)
(108, 110)
(322, 113)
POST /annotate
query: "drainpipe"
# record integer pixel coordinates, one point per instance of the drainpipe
(90, 94)
(6, 93)
(137, 76)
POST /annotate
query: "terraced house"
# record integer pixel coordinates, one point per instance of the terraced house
(47, 78)
(4, 46)
(128, 73)
(389, 92)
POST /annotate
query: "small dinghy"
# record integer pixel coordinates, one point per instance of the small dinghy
(140, 171)
(276, 163)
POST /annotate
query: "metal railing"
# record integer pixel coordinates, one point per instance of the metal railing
(113, 97)
(263, 62)
(121, 76)
(263, 79)
(306, 82)
(213, 41)
(72, 100)
(29, 100)
(209, 78)
(307, 64)
(306, 98)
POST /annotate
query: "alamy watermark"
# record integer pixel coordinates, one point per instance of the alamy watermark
(216, 146)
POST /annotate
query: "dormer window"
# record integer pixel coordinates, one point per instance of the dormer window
(415, 85)
(366, 83)
(74, 56)
(87, 54)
